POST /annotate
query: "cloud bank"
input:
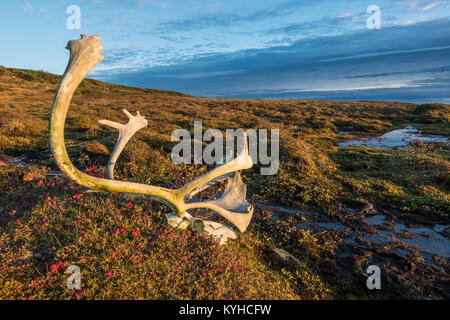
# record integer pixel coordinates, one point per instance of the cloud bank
(407, 63)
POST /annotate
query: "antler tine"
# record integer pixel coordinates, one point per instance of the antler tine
(207, 185)
(111, 124)
(212, 182)
(129, 115)
(241, 162)
(126, 132)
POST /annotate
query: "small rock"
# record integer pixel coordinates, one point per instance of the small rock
(368, 208)
(29, 176)
(176, 222)
(284, 255)
(27, 255)
(39, 256)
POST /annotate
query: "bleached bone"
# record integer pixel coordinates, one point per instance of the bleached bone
(207, 185)
(85, 53)
(215, 229)
(219, 231)
(126, 131)
(232, 205)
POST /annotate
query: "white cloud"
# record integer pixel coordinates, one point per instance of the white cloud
(344, 15)
(415, 3)
(412, 4)
(432, 5)
(27, 7)
(370, 87)
(404, 23)
(385, 53)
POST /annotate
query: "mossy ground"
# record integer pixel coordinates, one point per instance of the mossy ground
(124, 248)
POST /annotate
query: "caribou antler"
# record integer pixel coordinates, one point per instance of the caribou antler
(85, 53)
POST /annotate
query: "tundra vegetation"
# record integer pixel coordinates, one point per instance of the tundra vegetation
(125, 249)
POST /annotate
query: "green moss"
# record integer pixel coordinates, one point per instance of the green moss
(395, 179)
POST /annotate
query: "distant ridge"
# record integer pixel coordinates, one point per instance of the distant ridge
(50, 78)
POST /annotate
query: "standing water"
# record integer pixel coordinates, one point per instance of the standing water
(400, 138)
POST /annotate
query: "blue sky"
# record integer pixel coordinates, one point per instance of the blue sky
(318, 49)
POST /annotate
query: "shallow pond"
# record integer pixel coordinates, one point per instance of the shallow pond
(426, 240)
(400, 138)
(20, 161)
(423, 238)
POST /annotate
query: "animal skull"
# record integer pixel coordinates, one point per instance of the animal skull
(85, 53)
